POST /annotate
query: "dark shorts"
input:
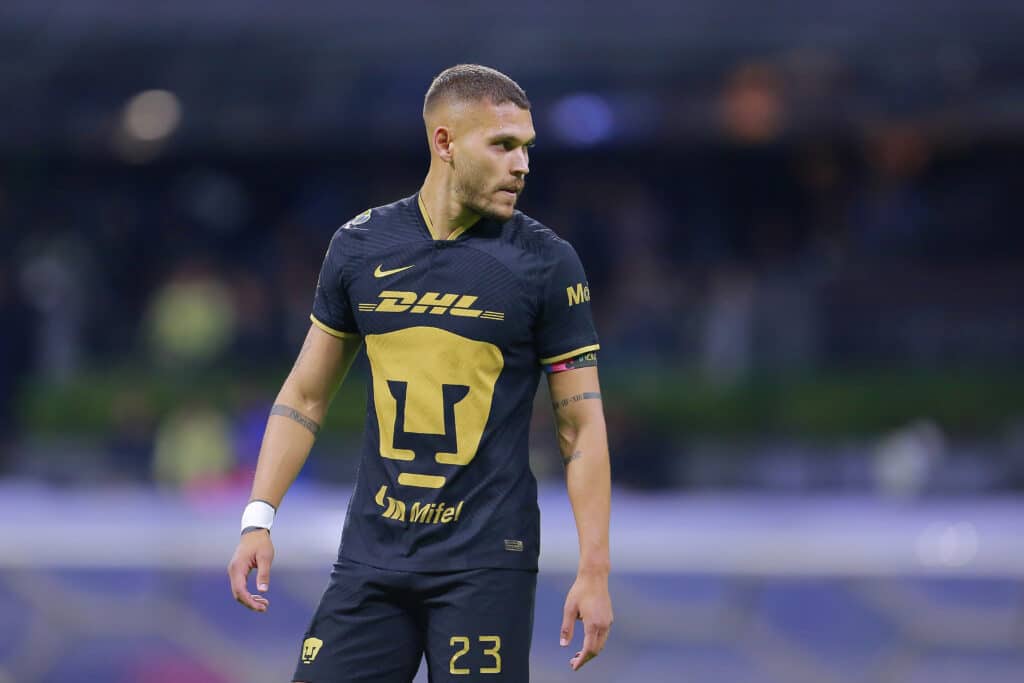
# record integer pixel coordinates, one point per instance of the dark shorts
(375, 625)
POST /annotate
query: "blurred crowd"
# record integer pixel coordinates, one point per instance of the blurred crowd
(736, 257)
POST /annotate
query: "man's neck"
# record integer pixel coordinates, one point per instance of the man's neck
(444, 214)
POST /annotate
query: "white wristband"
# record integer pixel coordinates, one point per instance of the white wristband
(258, 513)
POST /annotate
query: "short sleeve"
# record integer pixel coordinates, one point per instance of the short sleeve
(332, 311)
(566, 325)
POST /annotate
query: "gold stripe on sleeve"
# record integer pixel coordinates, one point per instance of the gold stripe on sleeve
(569, 354)
(333, 332)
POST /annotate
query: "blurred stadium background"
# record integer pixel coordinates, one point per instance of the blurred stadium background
(802, 224)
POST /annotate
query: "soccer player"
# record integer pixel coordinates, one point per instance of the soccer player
(462, 302)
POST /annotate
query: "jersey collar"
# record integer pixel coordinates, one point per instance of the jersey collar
(430, 226)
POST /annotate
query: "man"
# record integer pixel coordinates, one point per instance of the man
(461, 301)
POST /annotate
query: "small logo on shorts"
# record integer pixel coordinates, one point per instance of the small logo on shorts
(310, 649)
(513, 545)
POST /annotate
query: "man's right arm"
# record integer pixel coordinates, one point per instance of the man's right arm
(294, 421)
(299, 411)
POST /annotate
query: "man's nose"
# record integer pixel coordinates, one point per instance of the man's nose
(520, 164)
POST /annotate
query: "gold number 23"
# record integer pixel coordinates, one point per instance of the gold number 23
(463, 643)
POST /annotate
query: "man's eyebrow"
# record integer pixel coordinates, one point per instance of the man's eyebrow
(501, 137)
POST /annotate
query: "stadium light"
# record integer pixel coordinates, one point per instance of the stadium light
(582, 119)
(151, 115)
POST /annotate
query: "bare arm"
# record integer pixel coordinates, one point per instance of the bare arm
(299, 410)
(291, 430)
(583, 441)
(579, 417)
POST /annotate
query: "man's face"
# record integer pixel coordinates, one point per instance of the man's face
(490, 158)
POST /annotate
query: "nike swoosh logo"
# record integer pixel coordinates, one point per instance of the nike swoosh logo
(384, 273)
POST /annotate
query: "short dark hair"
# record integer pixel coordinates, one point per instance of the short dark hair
(471, 82)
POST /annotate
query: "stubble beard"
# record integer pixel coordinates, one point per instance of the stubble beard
(475, 198)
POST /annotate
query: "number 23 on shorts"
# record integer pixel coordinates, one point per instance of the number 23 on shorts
(463, 643)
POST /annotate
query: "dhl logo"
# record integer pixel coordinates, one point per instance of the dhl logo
(431, 303)
(430, 513)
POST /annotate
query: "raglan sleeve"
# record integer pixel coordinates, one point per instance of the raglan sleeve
(332, 311)
(565, 332)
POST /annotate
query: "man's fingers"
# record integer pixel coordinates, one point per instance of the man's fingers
(594, 638)
(581, 658)
(257, 603)
(597, 634)
(590, 649)
(263, 561)
(569, 614)
(237, 573)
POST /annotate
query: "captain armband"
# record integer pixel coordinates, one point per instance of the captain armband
(258, 514)
(584, 360)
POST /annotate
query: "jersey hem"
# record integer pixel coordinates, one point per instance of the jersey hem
(333, 332)
(526, 564)
(418, 569)
(570, 354)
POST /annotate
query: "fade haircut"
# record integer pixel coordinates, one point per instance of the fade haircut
(473, 82)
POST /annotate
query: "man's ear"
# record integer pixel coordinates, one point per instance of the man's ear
(443, 143)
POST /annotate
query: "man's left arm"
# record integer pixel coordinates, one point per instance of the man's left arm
(583, 441)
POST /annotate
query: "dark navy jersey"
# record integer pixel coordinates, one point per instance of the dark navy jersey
(456, 332)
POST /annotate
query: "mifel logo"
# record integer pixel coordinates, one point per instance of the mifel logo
(396, 508)
(310, 649)
(419, 513)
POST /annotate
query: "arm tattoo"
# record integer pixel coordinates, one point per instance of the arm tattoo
(291, 413)
(566, 459)
(578, 397)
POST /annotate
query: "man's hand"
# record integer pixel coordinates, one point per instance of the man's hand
(589, 601)
(254, 551)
